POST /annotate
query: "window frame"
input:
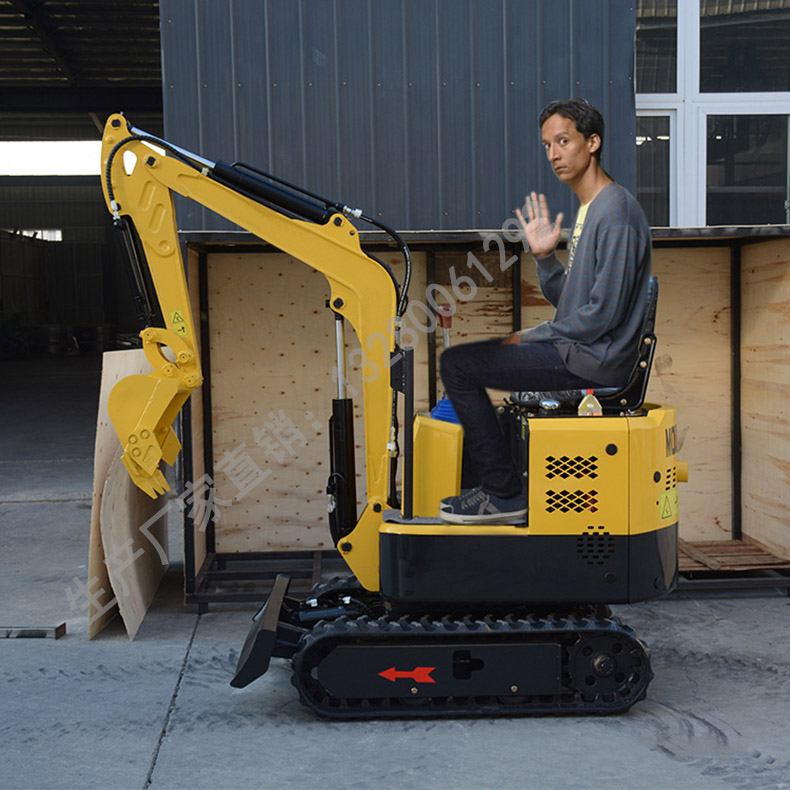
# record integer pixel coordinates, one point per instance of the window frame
(672, 186)
(691, 108)
(740, 108)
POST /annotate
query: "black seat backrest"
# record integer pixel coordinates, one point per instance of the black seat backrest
(614, 400)
(632, 395)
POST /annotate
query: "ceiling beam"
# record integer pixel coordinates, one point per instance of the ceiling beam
(42, 25)
(84, 99)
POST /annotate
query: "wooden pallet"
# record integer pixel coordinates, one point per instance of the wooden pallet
(726, 555)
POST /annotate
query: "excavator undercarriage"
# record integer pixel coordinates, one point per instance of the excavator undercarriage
(354, 657)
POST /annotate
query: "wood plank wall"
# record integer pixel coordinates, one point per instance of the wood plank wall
(481, 291)
(272, 362)
(272, 352)
(692, 371)
(765, 390)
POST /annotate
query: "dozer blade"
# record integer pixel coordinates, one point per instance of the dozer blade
(260, 641)
(142, 410)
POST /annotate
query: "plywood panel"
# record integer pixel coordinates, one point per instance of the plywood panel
(479, 288)
(104, 600)
(272, 384)
(134, 537)
(765, 384)
(535, 309)
(692, 371)
(488, 315)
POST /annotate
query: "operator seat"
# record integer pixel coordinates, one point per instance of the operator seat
(613, 400)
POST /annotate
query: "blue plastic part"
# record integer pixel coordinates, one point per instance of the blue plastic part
(444, 410)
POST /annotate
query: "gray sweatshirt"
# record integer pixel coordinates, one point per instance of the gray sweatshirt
(601, 302)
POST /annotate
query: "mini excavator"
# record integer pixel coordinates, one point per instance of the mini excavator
(437, 619)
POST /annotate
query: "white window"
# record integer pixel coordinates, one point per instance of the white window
(45, 234)
(718, 73)
(50, 157)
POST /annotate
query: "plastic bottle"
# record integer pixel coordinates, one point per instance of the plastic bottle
(590, 406)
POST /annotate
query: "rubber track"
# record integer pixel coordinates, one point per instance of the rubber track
(572, 631)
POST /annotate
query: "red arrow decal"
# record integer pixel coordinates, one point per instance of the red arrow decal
(418, 674)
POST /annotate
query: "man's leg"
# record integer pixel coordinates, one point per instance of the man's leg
(466, 372)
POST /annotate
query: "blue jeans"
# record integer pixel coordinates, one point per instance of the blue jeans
(468, 369)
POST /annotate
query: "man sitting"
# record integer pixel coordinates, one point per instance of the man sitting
(599, 296)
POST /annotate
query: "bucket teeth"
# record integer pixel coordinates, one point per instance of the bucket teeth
(153, 484)
(142, 409)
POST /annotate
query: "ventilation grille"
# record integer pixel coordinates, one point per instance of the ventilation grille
(595, 546)
(578, 501)
(671, 479)
(571, 467)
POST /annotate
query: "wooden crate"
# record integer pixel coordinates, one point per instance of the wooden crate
(267, 330)
(271, 347)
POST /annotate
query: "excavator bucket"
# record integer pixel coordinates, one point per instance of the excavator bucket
(142, 410)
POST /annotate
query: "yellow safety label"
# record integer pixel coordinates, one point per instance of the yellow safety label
(668, 503)
(179, 323)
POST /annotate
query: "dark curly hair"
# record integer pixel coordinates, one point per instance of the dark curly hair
(588, 120)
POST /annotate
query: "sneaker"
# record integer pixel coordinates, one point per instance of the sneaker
(476, 506)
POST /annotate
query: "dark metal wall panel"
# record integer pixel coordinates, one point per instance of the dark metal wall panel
(456, 152)
(252, 94)
(320, 99)
(82, 279)
(421, 177)
(216, 83)
(621, 114)
(71, 204)
(180, 86)
(422, 112)
(522, 50)
(559, 41)
(217, 88)
(356, 174)
(389, 109)
(489, 101)
(285, 51)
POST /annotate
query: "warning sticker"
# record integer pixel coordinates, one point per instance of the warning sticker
(668, 503)
(179, 323)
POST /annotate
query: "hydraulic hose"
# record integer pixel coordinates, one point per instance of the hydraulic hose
(403, 296)
(117, 147)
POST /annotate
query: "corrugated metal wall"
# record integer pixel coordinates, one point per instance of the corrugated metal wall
(55, 282)
(82, 281)
(423, 112)
(73, 204)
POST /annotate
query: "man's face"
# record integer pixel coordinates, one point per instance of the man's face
(569, 153)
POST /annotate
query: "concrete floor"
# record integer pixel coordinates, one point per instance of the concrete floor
(158, 712)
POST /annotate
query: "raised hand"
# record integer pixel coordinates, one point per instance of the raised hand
(542, 234)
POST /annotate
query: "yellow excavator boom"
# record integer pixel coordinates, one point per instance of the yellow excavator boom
(139, 182)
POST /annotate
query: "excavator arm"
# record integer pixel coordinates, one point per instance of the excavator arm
(139, 183)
